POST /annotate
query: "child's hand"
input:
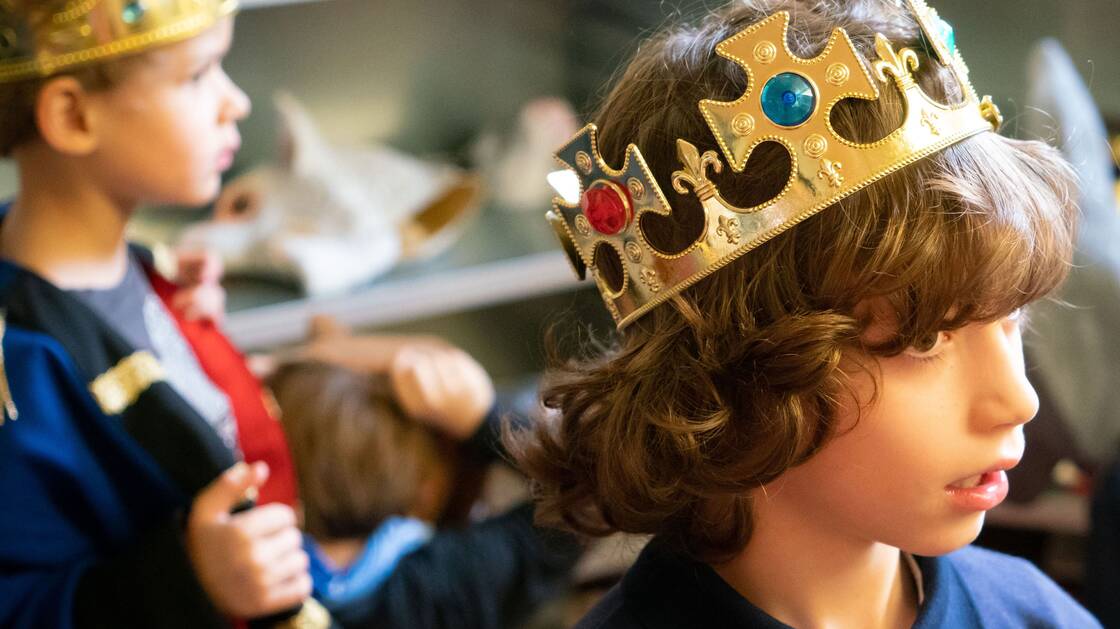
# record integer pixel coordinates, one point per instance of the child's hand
(198, 266)
(251, 564)
(442, 386)
(201, 295)
(333, 343)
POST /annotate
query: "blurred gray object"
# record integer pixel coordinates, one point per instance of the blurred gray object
(1075, 346)
(515, 164)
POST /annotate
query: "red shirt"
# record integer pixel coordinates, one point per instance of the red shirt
(259, 432)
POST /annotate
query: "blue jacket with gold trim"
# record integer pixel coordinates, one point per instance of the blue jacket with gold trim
(93, 488)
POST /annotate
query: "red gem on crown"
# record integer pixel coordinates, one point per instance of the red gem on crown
(607, 207)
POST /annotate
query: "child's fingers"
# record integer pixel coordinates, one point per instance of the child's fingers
(266, 520)
(261, 472)
(451, 371)
(188, 263)
(430, 382)
(466, 395)
(325, 326)
(199, 267)
(212, 268)
(415, 382)
(191, 312)
(287, 566)
(182, 299)
(289, 593)
(219, 497)
(461, 375)
(280, 543)
(206, 301)
(402, 375)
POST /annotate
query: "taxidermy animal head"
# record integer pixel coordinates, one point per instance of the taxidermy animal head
(332, 217)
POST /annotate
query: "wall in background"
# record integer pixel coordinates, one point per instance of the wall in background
(426, 74)
(997, 37)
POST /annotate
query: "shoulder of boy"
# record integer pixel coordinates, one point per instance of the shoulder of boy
(1012, 586)
(40, 359)
(46, 370)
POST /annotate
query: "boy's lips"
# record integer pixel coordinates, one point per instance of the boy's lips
(225, 158)
(972, 480)
(984, 490)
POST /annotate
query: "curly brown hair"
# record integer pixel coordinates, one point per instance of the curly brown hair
(666, 429)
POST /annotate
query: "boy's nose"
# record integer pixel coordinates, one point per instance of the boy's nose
(237, 104)
(1003, 397)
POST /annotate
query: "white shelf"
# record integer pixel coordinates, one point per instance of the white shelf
(406, 299)
(1053, 511)
(258, 4)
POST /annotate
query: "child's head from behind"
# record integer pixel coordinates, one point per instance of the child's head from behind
(796, 369)
(359, 459)
(157, 125)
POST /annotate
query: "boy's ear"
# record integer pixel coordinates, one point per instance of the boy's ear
(62, 113)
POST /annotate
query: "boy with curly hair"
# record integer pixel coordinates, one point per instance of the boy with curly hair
(819, 383)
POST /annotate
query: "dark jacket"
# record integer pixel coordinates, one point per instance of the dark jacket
(965, 589)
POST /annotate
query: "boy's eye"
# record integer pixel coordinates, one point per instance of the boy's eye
(928, 345)
(202, 72)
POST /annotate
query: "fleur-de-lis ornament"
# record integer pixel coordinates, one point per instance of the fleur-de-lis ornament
(929, 120)
(831, 170)
(899, 64)
(695, 172)
(649, 278)
(729, 229)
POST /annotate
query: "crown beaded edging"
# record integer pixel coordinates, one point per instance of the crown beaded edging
(85, 31)
(791, 107)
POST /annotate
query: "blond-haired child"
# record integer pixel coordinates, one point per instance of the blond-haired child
(125, 419)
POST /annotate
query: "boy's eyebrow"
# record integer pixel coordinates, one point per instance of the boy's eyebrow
(220, 51)
(209, 58)
(214, 52)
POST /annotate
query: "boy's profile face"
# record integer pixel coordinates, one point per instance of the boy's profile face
(169, 129)
(921, 463)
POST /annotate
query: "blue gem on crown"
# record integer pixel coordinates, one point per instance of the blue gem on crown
(133, 12)
(788, 99)
(948, 37)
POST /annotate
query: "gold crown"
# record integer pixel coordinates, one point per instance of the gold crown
(787, 100)
(44, 37)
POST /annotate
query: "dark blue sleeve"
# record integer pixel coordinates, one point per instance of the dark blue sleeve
(88, 529)
(488, 576)
(485, 445)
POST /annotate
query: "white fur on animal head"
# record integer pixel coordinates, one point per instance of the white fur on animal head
(328, 215)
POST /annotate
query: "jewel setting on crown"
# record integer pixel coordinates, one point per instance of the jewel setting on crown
(56, 35)
(787, 100)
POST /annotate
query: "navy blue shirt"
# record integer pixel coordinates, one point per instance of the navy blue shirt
(972, 587)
